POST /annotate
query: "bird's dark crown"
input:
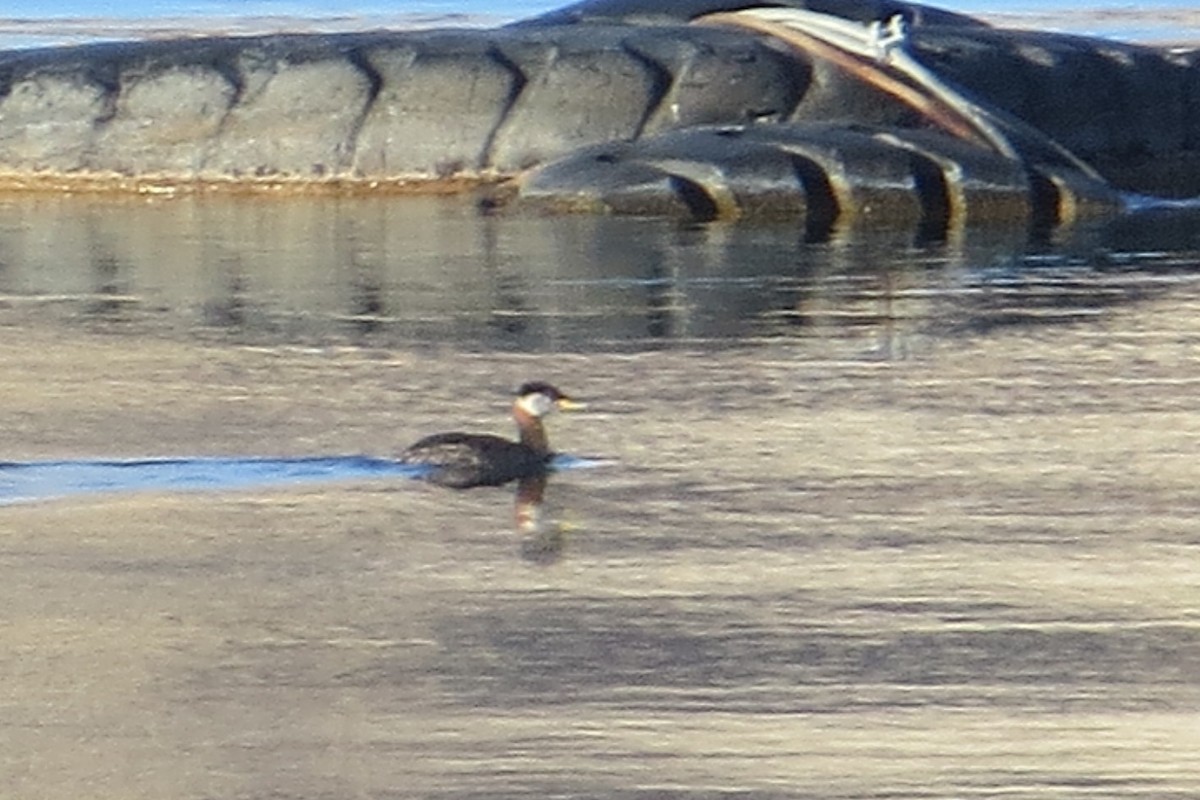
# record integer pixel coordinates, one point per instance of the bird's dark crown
(540, 387)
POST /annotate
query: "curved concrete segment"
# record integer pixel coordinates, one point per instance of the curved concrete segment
(626, 106)
(829, 177)
(400, 106)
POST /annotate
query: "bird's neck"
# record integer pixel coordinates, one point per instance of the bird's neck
(533, 433)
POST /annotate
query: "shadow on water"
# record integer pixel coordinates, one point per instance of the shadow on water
(398, 272)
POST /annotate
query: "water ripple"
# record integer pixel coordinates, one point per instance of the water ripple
(28, 481)
(43, 480)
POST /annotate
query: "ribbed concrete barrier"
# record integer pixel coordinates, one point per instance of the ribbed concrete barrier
(618, 106)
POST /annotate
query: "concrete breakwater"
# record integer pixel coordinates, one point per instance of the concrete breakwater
(684, 119)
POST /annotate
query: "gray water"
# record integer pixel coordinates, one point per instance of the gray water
(414, 272)
(875, 517)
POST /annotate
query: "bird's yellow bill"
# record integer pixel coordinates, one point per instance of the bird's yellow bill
(567, 404)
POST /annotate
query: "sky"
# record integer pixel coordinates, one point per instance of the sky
(153, 8)
(51, 22)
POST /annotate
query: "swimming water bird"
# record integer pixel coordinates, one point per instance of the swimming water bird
(464, 460)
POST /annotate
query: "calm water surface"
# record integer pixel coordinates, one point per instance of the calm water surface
(876, 518)
(422, 272)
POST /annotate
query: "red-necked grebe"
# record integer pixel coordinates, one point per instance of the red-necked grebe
(463, 460)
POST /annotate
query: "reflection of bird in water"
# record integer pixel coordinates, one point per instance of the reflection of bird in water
(531, 494)
(542, 542)
(463, 460)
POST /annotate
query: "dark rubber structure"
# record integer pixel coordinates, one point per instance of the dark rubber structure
(614, 106)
